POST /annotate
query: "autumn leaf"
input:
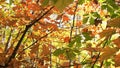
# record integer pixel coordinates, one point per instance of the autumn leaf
(70, 12)
(65, 18)
(79, 23)
(28, 0)
(2, 59)
(76, 65)
(34, 48)
(66, 64)
(91, 49)
(117, 42)
(45, 50)
(114, 22)
(66, 39)
(61, 4)
(117, 60)
(107, 53)
(62, 57)
(107, 33)
(1, 50)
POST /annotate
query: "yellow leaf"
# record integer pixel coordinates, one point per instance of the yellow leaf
(107, 53)
(114, 22)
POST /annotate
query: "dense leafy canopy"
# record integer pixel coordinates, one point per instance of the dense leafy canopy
(59, 33)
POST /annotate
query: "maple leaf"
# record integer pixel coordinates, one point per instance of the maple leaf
(117, 42)
(115, 22)
(107, 33)
(107, 53)
(117, 60)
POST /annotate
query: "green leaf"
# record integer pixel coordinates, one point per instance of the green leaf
(110, 9)
(86, 14)
(76, 50)
(91, 20)
(87, 36)
(104, 6)
(95, 14)
(114, 15)
(81, 1)
(78, 40)
(71, 43)
(58, 52)
(70, 55)
(85, 20)
(45, 2)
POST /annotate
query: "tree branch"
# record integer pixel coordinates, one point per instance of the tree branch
(23, 35)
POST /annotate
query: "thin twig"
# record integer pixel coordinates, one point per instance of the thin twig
(71, 30)
(72, 26)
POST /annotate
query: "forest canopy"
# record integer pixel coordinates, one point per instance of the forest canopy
(59, 33)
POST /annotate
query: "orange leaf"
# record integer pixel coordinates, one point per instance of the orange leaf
(67, 39)
(107, 53)
(33, 6)
(117, 60)
(117, 42)
(65, 18)
(79, 23)
(62, 57)
(71, 12)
